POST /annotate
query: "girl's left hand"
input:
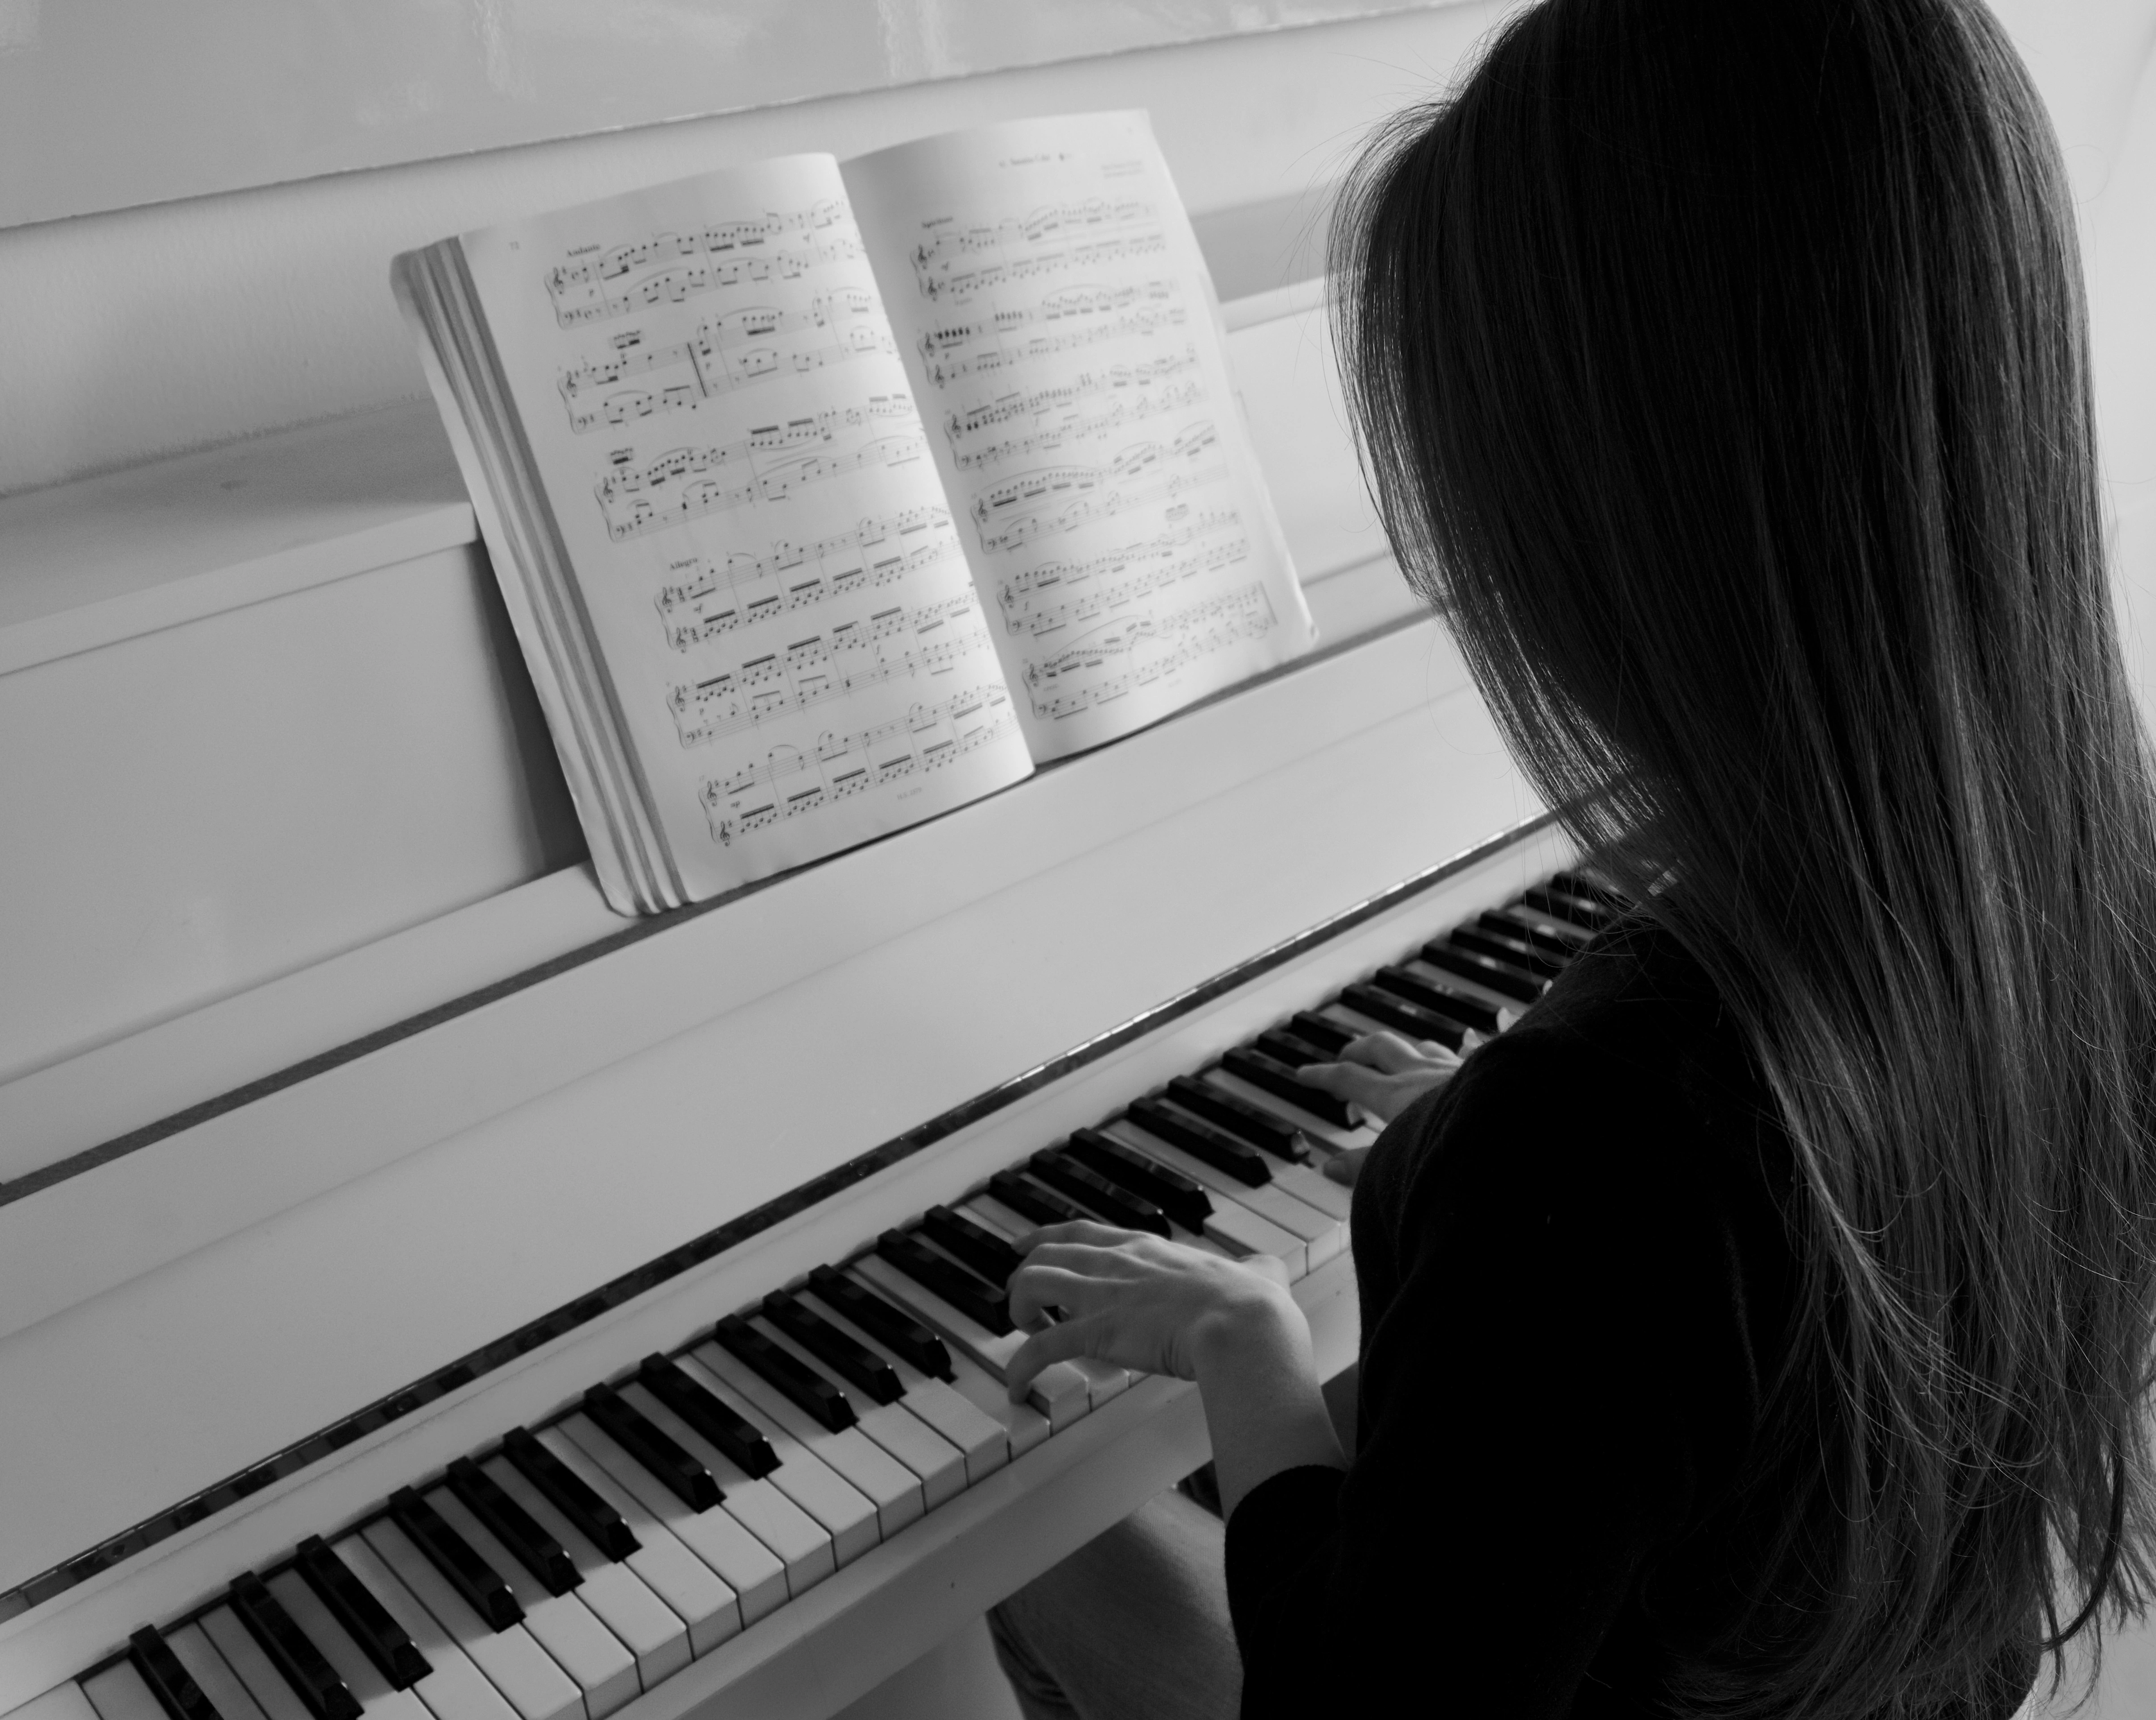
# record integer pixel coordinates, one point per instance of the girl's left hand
(1142, 1302)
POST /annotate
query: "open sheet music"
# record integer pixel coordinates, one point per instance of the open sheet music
(829, 498)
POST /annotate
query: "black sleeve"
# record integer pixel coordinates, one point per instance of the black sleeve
(1560, 1339)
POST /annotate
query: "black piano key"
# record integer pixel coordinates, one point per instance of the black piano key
(174, 1688)
(1237, 1115)
(301, 1664)
(1579, 884)
(1389, 1009)
(896, 1330)
(570, 1494)
(510, 1523)
(1559, 938)
(1328, 1036)
(653, 1447)
(856, 1363)
(365, 1619)
(1089, 1188)
(1206, 1140)
(823, 1401)
(1484, 971)
(1592, 916)
(1169, 1190)
(1262, 1072)
(1030, 1201)
(739, 1440)
(455, 1557)
(1284, 1047)
(1514, 950)
(948, 1279)
(972, 1243)
(1438, 998)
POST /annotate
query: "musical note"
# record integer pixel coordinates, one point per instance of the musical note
(1089, 588)
(822, 666)
(790, 782)
(1081, 428)
(1056, 499)
(1089, 215)
(727, 352)
(705, 602)
(599, 286)
(946, 280)
(685, 483)
(1078, 677)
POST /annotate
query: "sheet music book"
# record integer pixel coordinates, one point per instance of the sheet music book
(827, 498)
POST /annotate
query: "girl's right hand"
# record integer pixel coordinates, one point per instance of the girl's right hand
(1383, 1073)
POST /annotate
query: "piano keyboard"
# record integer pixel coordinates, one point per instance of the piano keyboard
(565, 1569)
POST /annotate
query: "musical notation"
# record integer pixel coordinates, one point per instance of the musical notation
(686, 483)
(1058, 498)
(1080, 427)
(952, 280)
(707, 602)
(727, 352)
(1083, 676)
(1051, 221)
(824, 666)
(790, 782)
(1046, 599)
(593, 291)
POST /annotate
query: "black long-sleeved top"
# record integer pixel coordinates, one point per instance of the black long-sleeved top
(1576, 1284)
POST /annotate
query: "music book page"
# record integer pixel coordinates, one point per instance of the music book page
(1058, 323)
(767, 566)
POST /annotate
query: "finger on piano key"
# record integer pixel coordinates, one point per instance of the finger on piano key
(849, 1454)
(1241, 1214)
(455, 1688)
(1060, 1391)
(365, 1619)
(511, 1659)
(207, 1668)
(1023, 1425)
(377, 1699)
(119, 1693)
(169, 1680)
(258, 1676)
(1304, 1105)
(792, 1513)
(592, 1655)
(596, 1519)
(1103, 1379)
(984, 1439)
(620, 1600)
(753, 1565)
(937, 1464)
(299, 1662)
(691, 1589)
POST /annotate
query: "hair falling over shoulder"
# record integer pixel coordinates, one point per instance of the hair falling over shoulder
(1721, 370)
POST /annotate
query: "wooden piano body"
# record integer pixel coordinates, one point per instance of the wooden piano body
(324, 1071)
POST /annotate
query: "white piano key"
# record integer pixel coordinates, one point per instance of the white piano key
(63, 1701)
(992, 1213)
(649, 1629)
(513, 1661)
(1103, 1379)
(681, 1577)
(216, 1680)
(800, 1546)
(454, 1689)
(984, 1441)
(1316, 1127)
(1300, 1236)
(377, 1699)
(1058, 1391)
(240, 1651)
(119, 1693)
(851, 1453)
(937, 1464)
(848, 1514)
(1023, 1426)
(599, 1661)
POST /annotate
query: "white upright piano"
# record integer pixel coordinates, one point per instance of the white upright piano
(347, 1242)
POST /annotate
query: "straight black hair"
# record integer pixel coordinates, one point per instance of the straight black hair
(1720, 368)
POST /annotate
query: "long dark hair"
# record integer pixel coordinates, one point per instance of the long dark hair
(1720, 367)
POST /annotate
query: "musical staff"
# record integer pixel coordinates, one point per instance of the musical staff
(731, 351)
(945, 280)
(707, 602)
(1088, 215)
(685, 483)
(1081, 677)
(1059, 498)
(790, 782)
(1080, 427)
(829, 665)
(1044, 601)
(593, 291)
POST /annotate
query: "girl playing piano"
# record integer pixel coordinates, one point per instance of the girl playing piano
(1760, 1327)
